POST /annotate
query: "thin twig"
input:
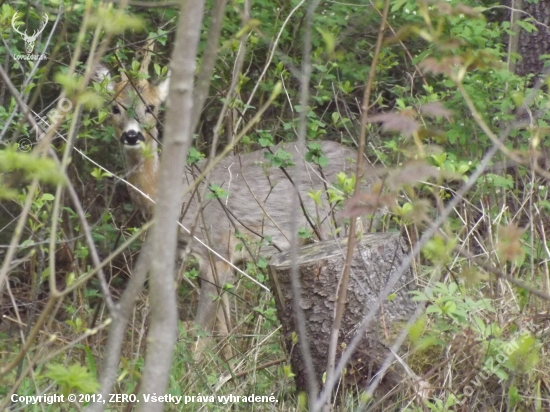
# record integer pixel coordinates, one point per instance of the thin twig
(311, 382)
(163, 246)
(202, 84)
(344, 280)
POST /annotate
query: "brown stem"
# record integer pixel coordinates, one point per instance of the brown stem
(178, 137)
(344, 280)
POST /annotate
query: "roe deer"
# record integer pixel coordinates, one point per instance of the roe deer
(254, 207)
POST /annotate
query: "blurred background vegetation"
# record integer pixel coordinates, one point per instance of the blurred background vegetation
(456, 73)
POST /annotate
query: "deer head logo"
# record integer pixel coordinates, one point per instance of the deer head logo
(30, 40)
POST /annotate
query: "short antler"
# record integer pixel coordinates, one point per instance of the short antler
(147, 50)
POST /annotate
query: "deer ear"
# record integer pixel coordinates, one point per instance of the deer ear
(101, 74)
(163, 87)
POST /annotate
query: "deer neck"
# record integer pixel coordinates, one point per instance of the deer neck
(142, 169)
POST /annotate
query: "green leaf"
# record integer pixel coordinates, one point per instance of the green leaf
(281, 158)
(305, 233)
(526, 357)
(427, 342)
(216, 192)
(480, 324)
(91, 100)
(41, 168)
(47, 197)
(417, 329)
(288, 371)
(99, 173)
(74, 378)
(433, 309)
(398, 4)
(115, 21)
(500, 181)
(514, 396)
(262, 263)
(315, 155)
(528, 27)
(328, 39)
(194, 156)
(69, 83)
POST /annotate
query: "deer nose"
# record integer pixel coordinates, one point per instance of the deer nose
(131, 137)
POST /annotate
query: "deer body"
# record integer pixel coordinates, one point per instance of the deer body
(258, 206)
(256, 203)
(142, 174)
(258, 197)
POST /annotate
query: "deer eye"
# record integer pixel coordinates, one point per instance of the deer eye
(115, 109)
(150, 108)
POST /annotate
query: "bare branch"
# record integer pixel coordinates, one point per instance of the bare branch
(163, 235)
(299, 170)
(208, 59)
(344, 280)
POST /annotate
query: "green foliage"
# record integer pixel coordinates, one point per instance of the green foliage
(439, 250)
(343, 187)
(315, 155)
(443, 54)
(99, 173)
(526, 357)
(194, 156)
(280, 158)
(453, 311)
(305, 233)
(29, 167)
(72, 379)
(115, 21)
(216, 192)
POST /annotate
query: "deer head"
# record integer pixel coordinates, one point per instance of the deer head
(30, 40)
(134, 110)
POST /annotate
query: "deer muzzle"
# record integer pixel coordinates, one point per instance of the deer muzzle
(131, 138)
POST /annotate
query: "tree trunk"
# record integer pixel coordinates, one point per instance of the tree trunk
(533, 45)
(320, 266)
